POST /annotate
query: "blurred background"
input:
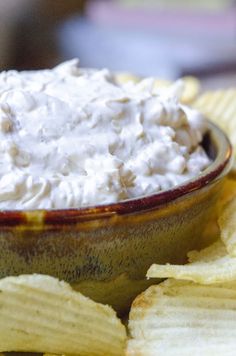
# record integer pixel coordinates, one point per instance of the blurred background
(163, 38)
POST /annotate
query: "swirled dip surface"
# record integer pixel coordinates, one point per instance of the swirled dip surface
(72, 137)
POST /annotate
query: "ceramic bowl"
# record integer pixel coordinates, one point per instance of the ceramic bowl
(105, 251)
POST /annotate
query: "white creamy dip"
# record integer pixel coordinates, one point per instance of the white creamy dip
(72, 137)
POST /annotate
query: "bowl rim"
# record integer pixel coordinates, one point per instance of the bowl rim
(217, 169)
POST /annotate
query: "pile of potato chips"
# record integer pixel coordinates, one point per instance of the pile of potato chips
(193, 312)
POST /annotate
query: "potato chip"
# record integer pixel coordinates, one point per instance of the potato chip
(183, 318)
(42, 314)
(192, 89)
(125, 77)
(161, 83)
(227, 223)
(191, 85)
(220, 107)
(210, 265)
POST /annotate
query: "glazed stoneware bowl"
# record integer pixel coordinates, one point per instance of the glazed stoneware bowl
(105, 251)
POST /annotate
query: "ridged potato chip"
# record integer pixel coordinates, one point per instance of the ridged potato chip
(191, 85)
(183, 318)
(161, 83)
(220, 107)
(210, 265)
(125, 77)
(227, 223)
(192, 89)
(42, 314)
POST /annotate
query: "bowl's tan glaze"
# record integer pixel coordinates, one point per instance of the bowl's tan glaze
(105, 251)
